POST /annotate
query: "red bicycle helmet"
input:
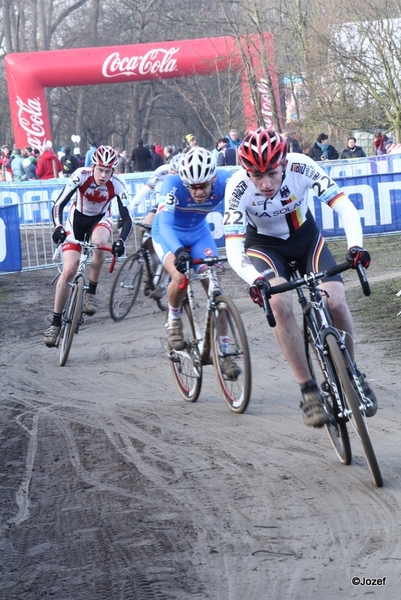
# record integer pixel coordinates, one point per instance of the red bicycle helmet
(262, 150)
(105, 156)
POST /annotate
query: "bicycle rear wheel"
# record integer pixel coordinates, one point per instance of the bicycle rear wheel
(125, 287)
(71, 314)
(356, 415)
(186, 363)
(336, 428)
(235, 383)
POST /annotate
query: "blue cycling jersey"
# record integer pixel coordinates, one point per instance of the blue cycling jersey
(179, 217)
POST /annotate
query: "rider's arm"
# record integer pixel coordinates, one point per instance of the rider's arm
(166, 222)
(123, 207)
(328, 192)
(350, 219)
(235, 228)
(65, 196)
(139, 196)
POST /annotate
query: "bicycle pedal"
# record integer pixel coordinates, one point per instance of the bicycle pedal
(325, 387)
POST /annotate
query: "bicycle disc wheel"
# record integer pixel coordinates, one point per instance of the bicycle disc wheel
(356, 417)
(336, 428)
(125, 287)
(70, 316)
(186, 363)
(234, 379)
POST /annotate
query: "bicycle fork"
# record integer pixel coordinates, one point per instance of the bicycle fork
(318, 327)
(202, 340)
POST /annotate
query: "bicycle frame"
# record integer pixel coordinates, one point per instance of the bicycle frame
(317, 320)
(203, 333)
(72, 314)
(220, 340)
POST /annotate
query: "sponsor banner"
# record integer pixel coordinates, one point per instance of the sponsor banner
(377, 197)
(10, 240)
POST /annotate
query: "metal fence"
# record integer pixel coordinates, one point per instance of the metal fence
(35, 200)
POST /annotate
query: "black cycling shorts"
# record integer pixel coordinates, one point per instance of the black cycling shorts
(272, 256)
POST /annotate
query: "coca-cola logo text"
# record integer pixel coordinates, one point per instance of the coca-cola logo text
(265, 103)
(154, 61)
(30, 119)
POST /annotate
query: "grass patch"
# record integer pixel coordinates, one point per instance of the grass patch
(377, 312)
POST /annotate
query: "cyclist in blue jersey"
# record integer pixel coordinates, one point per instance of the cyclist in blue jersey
(181, 231)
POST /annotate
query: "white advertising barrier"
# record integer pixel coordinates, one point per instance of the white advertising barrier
(376, 195)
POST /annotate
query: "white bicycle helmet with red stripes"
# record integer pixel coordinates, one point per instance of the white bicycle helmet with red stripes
(105, 156)
(197, 166)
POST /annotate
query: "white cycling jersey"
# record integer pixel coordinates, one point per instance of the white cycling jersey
(282, 215)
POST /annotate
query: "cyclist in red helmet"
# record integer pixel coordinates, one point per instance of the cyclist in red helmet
(94, 188)
(268, 224)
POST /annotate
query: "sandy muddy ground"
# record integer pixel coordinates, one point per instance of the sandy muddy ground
(113, 487)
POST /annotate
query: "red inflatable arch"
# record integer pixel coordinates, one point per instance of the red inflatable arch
(28, 74)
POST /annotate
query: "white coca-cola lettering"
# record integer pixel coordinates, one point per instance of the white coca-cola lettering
(30, 119)
(265, 103)
(154, 61)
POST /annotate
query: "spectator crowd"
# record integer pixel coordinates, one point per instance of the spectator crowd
(29, 163)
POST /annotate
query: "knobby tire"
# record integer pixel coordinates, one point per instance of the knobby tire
(336, 428)
(161, 303)
(125, 287)
(235, 391)
(187, 373)
(71, 315)
(356, 417)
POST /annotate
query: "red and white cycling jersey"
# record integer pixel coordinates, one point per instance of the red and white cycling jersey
(93, 200)
(282, 215)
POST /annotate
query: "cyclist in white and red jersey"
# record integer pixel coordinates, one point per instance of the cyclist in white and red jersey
(158, 176)
(268, 225)
(94, 189)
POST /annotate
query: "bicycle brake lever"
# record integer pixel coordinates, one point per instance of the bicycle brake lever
(184, 283)
(112, 264)
(363, 279)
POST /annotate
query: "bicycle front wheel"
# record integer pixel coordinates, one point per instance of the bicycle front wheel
(355, 415)
(321, 369)
(71, 314)
(164, 281)
(186, 363)
(231, 356)
(125, 287)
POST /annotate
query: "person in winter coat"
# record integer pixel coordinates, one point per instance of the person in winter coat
(156, 160)
(227, 155)
(141, 158)
(49, 165)
(322, 150)
(17, 166)
(352, 150)
(30, 160)
(5, 164)
(69, 162)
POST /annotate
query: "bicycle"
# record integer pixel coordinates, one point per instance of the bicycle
(209, 345)
(72, 317)
(326, 351)
(128, 280)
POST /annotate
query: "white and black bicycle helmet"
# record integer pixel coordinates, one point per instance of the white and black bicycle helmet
(175, 162)
(197, 166)
(105, 156)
